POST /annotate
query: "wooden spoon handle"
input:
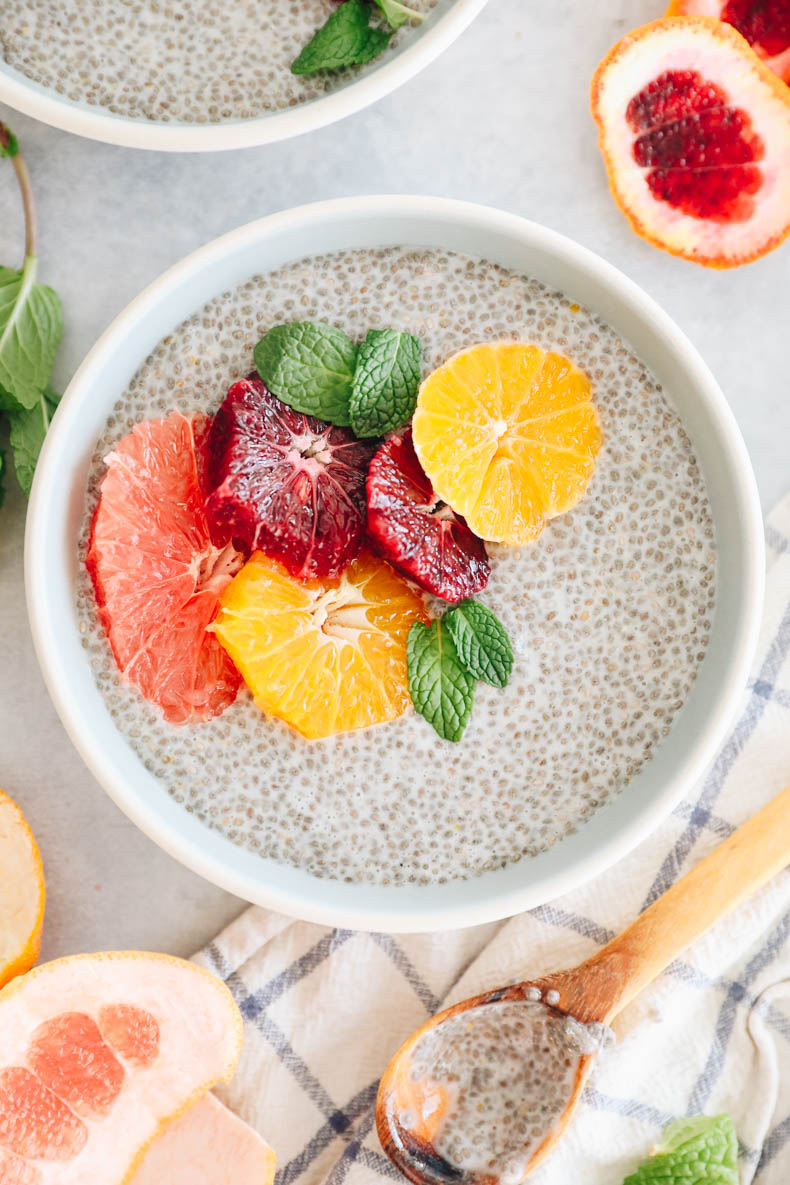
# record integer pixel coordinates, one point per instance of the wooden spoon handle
(601, 987)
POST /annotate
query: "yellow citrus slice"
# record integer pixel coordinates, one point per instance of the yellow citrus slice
(326, 656)
(207, 1145)
(98, 1053)
(508, 435)
(21, 893)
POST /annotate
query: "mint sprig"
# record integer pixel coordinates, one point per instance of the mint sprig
(386, 382)
(440, 689)
(346, 39)
(309, 366)
(481, 642)
(31, 326)
(397, 14)
(702, 1150)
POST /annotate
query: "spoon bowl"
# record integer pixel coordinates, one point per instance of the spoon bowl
(482, 1092)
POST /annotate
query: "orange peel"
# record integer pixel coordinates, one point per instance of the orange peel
(22, 893)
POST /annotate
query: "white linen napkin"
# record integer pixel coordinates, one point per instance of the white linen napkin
(325, 1009)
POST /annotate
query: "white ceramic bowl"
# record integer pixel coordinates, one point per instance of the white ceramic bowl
(57, 502)
(419, 46)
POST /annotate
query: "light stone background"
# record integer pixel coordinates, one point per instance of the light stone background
(502, 119)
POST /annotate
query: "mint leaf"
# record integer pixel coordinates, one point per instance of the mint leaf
(28, 429)
(309, 366)
(481, 641)
(9, 145)
(396, 14)
(386, 382)
(440, 689)
(346, 39)
(698, 1151)
(31, 324)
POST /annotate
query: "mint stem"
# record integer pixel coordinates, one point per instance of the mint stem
(9, 145)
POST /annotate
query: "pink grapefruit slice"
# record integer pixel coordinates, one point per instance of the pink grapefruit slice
(764, 23)
(98, 1054)
(157, 575)
(695, 133)
(21, 894)
(208, 1145)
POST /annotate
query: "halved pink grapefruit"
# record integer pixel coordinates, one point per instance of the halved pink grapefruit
(21, 894)
(98, 1053)
(157, 575)
(695, 133)
(207, 1145)
(764, 23)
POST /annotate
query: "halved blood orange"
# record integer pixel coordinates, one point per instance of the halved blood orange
(21, 894)
(764, 23)
(695, 133)
(98, 1053)
(156, 573)
(326, 656)
(207, 1145)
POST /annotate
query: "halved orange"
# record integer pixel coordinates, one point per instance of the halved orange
(98, 1053)
(207, 1145)
(508, 435)
(21, 894)
(326, 656)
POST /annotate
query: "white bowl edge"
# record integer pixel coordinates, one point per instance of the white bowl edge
(50, 562)
(94, 123)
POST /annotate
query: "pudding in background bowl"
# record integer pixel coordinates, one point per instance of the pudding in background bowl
(632, 617)
(195, 75)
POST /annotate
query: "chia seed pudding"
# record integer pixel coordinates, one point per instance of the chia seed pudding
(504, 1074)
(194, 61)
(609, 611)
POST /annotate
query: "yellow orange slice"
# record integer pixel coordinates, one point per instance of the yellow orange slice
(21, 893)
(326, 656)
(508, 435)
(208, 1145)
(98, 1053)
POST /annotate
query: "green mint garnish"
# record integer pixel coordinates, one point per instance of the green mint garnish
(386, 382)
(396, 14)
(31, 325)
(698, 1151)
(440, 689)
(346, 39)
(28, 429)
(309, 366)
(481, 642)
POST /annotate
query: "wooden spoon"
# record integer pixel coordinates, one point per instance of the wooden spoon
(411, 1106)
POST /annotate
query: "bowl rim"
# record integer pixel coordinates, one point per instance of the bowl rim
(42, 103)
(361, 906)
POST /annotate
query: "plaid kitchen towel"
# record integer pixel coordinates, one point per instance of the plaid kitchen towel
(325, 1009)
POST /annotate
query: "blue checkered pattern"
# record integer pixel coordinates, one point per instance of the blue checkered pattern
(324, 1009)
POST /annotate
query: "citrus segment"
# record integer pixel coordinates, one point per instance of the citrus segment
(764, 23)
(695, 133)
(21, 893)
(156, 573)
(508, 436)
(15, 1171)
(132, 1032)
(326, 656)
(34, 1122)
(67, 1105)
(69, 1055)
(208, 1145)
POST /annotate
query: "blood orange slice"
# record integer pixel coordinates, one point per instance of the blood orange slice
(21, 895)
(208, 1145)
(82, 1095)
(695, 133)
(764, 23)
(156, 573)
